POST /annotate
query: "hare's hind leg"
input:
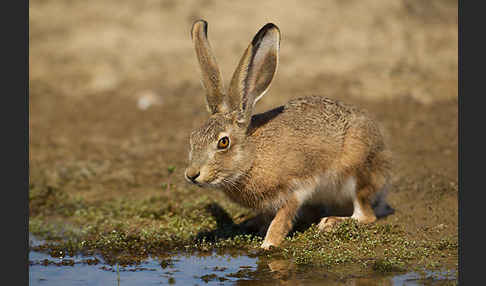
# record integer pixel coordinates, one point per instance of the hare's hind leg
(370, 177)
(362, 211)
(368, 184)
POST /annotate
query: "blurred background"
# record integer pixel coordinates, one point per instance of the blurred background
(115, 91)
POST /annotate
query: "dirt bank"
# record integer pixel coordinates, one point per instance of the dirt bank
(91, 144)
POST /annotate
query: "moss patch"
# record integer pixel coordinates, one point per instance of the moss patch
(128, 230)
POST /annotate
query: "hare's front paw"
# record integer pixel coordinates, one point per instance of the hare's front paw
(266, 245)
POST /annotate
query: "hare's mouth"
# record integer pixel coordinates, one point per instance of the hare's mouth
(202, 180)
(211, 183)
(215, 183)
(205, 184)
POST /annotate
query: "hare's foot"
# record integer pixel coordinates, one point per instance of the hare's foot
(267, 244)
(327, 223)
(362, 212)
(281, 224)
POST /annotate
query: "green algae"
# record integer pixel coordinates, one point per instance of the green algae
(128, 230)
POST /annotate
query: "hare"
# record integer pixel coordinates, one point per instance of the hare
(311, 150)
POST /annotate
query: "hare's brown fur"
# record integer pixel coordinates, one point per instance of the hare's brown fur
(312, 149)
(306, 138)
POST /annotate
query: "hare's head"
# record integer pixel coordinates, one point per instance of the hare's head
(219, 151)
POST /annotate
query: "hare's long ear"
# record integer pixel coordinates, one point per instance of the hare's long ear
(211, 77)
(255, 72)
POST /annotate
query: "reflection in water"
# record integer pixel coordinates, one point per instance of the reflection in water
(287, 273)
(203, 269)
(284, 272)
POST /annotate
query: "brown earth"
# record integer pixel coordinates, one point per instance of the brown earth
(92, 62)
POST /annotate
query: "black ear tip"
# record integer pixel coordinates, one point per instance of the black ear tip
(200, 22)
(204, 22)
(270, 26)
(263, 31)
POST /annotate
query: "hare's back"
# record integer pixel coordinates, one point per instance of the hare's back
(310, 129)
(304, 137)
(306, 117)
(320, 115)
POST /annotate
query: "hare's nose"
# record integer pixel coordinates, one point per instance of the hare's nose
(192, 174)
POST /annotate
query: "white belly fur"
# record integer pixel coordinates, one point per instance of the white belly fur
(322, 190)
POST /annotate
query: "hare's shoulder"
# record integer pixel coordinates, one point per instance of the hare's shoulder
(314, 112)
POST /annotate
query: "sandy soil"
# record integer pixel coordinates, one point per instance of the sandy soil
(91, 64)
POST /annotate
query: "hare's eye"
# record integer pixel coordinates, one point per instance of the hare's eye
(223, 142)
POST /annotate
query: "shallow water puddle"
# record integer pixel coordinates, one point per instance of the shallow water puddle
(203, 269)
(180, 271)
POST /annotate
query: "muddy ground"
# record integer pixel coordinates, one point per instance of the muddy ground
(92, 142)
